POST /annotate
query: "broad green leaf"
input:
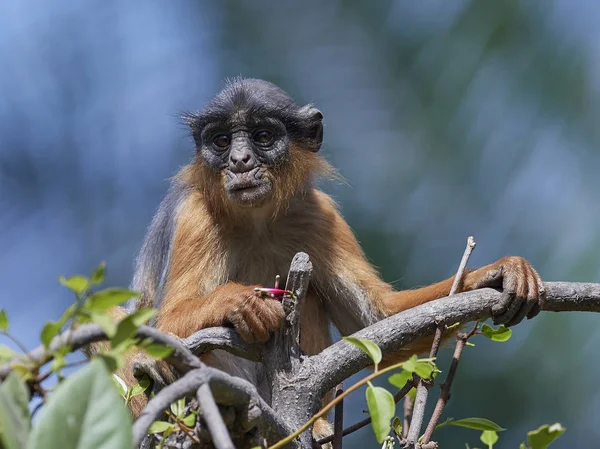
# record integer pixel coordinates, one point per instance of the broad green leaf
(6, 353)
(489, 437)
(106, 322)
(128, 326)
(190, 420)
(85, 411)
(158, 350)
(98, 274)
(381, 408)
(120, 384)
(501, 334)
(399, 379)
(472, 423)
(108, 298)
(160, 427)
(397, 426)
(178, 407)
(78, 284)
(14, 386)
(140, 387)
(544, 435)
(14, 414)
(368, 347)
(49, 331)
(3, 321)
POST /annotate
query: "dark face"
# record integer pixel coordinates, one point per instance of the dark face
(247, 130)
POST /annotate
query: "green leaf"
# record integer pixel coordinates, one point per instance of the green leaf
(366, 346)
(158, 350)
(108, 298)
(6, 353)
(522, 446)
(422, 368)
(18, 390)
(472, 423)
(399, 379)
(489, 437)
(78, 284)
(501, 334)
(49, 331)
(14, 413)
(178, 407)
(3, 321)
(140, 387)
(85, 411)
(106, 322)
(544, 435)
(381, 408)
(190, 420)
(98, 274)
(160, 427)
(397, 426)
(120, 384)
(128, 326)
(58, 363)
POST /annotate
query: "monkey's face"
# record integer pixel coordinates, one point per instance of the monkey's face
(245, 133)
(244, 151)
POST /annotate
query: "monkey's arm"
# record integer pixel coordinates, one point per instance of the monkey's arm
(194, 296)
(358, 296)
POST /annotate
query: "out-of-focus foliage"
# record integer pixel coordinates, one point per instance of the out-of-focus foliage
(446, 119)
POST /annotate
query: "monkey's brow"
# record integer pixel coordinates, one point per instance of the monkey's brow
(253, 112)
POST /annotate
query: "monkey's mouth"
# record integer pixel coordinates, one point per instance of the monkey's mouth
(248, 188)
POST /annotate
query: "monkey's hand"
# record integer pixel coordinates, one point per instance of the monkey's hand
(254, 317)
(522, 289)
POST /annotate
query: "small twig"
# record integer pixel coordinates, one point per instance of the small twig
(338, 420)
(445, 387)
(359, 425)
(408, 408)
(16, 341)
(185, 429)
(423, 387)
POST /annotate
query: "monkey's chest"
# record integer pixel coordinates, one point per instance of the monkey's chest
(257, 262)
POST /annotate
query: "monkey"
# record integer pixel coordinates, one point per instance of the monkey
(234, 217)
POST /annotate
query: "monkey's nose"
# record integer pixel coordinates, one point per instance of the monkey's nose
(241, 160)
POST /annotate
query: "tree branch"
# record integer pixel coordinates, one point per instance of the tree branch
(341, 360)
(212, 338)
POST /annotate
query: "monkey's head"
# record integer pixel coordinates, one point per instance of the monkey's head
(257, 143)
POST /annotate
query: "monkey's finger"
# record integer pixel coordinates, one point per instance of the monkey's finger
(537, 308)
(275, 313)
(509, 292)
(529, 304)
(492, 279)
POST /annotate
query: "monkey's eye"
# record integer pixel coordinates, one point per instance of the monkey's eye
(263, 137)
(222, 141)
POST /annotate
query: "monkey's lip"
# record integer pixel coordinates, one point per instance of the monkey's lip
(235, 187)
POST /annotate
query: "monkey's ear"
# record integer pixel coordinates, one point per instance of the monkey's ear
(313, 119)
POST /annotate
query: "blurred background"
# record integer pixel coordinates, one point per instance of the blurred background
(446, 119)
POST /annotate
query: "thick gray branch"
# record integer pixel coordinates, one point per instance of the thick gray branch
(341, 360)
(212, 338)
(182, 359)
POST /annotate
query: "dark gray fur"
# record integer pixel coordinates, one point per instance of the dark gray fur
(152, 263)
